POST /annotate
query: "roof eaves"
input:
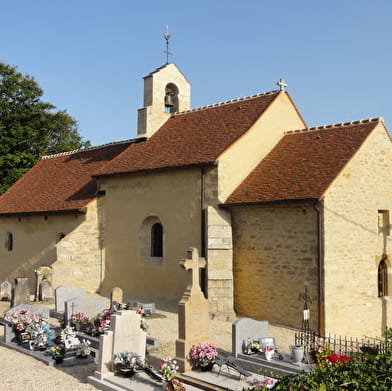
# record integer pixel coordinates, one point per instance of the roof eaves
(287, 201)
(45, 212)
(166, 168)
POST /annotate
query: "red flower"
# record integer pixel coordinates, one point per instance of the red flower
(344, 358)
(334, 358)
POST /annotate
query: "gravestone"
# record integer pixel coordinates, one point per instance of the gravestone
(124, 335)
(43, 272)
(245, 328)
(64, 293)
(46, 290)
(89, 306)
(193, 313)
(32, 309)
(116, 296)
(5, 291)
(21, 292)
(149, 308)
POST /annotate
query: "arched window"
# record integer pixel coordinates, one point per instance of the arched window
(152, 241)
(382, 278)
(157, 240)
(10, 241)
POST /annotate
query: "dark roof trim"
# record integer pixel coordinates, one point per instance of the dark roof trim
(47, 212)
(291, 201)
(168, 168)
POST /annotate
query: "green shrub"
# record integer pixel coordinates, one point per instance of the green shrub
(369, 373)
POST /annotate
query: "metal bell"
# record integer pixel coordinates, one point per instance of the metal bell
(169, 101)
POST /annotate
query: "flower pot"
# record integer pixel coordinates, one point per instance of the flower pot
(126, 372)
(269, 354)
(207, 367)
(297, 354)
(59, 360)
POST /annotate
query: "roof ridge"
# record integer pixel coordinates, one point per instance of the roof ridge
(337, 125)
(67, 153)
(219, 104)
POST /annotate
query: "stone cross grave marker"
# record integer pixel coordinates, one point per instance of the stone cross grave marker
(64, 293)
(5, 291)
(21, 292)
(193, 311)
(124, 335)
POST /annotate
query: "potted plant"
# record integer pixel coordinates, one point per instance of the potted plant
(168, 368)
(58, 352)
(83, 350)
(269, 352)
(203, 355)
(79, 321)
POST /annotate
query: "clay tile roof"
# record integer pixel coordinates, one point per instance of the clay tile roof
(303, 164)
(59, 183)
(193, 137)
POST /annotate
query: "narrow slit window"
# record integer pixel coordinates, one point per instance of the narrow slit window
(382, 279)
(10, 241)
(157, 240)
(383, 222)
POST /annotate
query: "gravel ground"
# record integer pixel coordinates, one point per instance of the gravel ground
(21, 372)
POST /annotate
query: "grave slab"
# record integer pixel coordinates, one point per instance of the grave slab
(9, 334)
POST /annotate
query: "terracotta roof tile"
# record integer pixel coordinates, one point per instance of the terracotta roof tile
(303, 164)
(193, 137)
(59, 183)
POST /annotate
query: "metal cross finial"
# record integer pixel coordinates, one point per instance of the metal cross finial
(282, 85)
(167, 37)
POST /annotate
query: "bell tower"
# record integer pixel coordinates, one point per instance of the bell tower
(166, 91)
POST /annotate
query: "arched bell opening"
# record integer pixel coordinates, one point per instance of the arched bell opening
(171, 98)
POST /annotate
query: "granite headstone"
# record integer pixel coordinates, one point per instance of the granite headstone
(64, 293)
(244, 329)
(89, 306)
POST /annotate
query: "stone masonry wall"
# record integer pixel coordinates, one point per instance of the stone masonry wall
(353, 243)
(275, 255)
(220, 263)
(79, 255)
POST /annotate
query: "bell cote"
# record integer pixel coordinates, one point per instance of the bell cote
(166, 91)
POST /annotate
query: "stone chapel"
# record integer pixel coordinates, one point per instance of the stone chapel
(271, 204)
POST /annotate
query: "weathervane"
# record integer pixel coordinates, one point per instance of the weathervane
(167, 37)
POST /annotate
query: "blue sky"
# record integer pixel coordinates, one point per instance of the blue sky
(90, 56)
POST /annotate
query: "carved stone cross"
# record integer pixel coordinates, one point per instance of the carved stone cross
(282, 85)
(192, 264)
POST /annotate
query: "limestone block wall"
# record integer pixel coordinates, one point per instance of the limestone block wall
(353, 243)
(275, 255)
(66, 242)
(80, 257)
(219, 263)
(170, 197)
